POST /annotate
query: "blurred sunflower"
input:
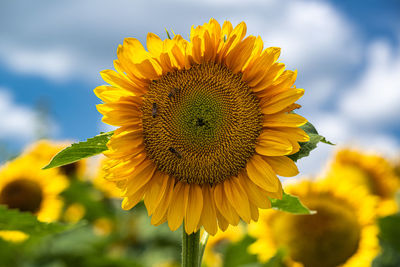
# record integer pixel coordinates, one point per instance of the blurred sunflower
(369, 170)
(108, 188)
(212, 257)
(204, 126)
(341, 233)
(14, 236)
(24, 186)
(44, 150)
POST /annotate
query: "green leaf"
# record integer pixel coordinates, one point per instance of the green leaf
(277, 259)
(390, 230)
(290, 204)
(28, 223)
(236, 254)
(307, 147)
(389, 239)
(81, 150)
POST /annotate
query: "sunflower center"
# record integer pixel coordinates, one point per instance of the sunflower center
(22, 194)
(200, 125)
(328, 238)
(70, 170)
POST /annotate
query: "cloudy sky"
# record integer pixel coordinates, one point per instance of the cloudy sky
(346, 53)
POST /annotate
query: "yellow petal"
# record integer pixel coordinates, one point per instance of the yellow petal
(262, 174)
(283, 83)
(154, 44)
(270, 145)
(283, 166)
(222, 222)
(283, 120)
(115, 79)
(160, 213)
(131, 201)
(177, 208)
(238, 57)
(223, 205)
(141, 175)
(254, 212)
(109, 93)
(256, 195)
(281, 101)
(208, 216)
(238, 198)
(270, 76)
(194, 208)
(260, 68)
(157, 186)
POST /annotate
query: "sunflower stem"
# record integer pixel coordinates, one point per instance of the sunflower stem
(190, 249)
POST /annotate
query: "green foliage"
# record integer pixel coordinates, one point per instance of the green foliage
(81, 150)
(28, 223)
(307, 147)
(290, 204)
(96, 206)
(236, 254)
(389, 237)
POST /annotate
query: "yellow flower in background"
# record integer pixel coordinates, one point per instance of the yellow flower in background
(204, 126)
(24, 186)
(13, 236)
(109, 188)
(372, 171)
(74, 213)
(212, 258)
(44, 150)
(341, 233)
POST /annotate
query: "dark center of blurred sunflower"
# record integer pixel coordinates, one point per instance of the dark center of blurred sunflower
(22, 194)
(200, 125)
(328, 238)
(70, 170)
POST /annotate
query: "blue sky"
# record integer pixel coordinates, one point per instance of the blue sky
(346, 52)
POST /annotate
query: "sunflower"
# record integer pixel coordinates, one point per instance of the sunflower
(341, 233)
(212, 258)
(205, 126)
(45, 150)
(24, 186)
(372, 171)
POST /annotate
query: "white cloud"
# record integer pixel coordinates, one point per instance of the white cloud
(69, 40)
(374, 98)
(18, 122)
(52, 64)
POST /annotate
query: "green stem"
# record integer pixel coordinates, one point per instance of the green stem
(190, 249)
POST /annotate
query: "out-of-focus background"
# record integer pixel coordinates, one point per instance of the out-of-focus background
(346, 52)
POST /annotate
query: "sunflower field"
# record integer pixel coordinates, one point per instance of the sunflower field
(199, 168)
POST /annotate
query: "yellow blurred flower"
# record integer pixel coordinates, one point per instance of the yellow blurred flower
(372, 171)
(13, 236)
(74, 213)
(103, 226)
(205, 126)
(45, 150)
(341, 233)
(24, 186)
(212, 258)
